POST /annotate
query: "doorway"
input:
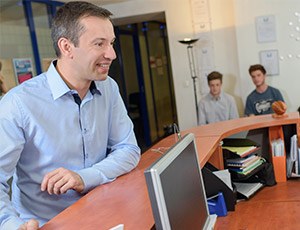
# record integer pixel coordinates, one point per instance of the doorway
(142, 71)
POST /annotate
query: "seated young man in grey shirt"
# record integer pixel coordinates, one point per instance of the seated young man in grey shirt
(216, 105)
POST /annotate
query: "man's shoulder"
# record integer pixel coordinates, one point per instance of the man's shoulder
(33, 86)
(227, 95)
(205, 98)
(109, 85)
(109, 81)
(229, 99)
(34, 81)
(276, 94)
(252, 94)
(271, 88)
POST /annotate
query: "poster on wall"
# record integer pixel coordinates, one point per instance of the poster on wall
(269, 59)
(23, 69)
(266, 28)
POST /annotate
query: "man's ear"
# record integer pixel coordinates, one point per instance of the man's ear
(65, 47)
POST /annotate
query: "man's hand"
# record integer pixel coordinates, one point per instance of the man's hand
(30, 225)
(61, 180)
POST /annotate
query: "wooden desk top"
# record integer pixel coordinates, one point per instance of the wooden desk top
(125, 201)
(226, 128)
(275, 208)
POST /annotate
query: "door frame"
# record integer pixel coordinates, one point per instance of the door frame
(140, 77)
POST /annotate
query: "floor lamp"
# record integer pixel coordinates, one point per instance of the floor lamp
(189, 42)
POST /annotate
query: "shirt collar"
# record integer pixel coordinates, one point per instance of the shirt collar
(93, 88)
(57, 85)
(216, 98)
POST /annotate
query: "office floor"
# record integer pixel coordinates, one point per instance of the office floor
(276, 207)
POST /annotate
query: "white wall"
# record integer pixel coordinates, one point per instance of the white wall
(234, 45)
(178, 17)
(288, 80)
(225, 47)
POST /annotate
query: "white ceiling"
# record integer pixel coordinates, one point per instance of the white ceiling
(12, 10)
(98, 2)
(7, 3)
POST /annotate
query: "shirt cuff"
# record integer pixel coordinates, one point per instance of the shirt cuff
(92, 178)
(12, 223)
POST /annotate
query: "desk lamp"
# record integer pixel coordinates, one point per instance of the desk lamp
(189, 42)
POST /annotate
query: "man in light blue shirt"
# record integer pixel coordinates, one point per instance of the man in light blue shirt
(216, 105)
(65, 131)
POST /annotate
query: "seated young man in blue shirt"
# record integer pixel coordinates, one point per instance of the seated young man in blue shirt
(260, 100)
(65, 131)
(216, 105)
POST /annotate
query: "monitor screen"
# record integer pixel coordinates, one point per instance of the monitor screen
(176, 189)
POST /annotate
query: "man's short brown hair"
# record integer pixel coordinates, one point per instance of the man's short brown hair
(214, 76)
(255, 67)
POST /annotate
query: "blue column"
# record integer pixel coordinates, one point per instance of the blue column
(51, 6)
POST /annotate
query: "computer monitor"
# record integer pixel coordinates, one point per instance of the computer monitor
(176, 189)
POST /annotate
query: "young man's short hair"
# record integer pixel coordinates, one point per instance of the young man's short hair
(255, 67)
(214, 76)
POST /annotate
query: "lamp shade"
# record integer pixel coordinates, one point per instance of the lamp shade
(188, 41)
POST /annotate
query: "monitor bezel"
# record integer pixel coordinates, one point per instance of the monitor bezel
(155, 190)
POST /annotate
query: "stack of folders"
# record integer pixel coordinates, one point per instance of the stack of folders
(277, 147)
(244, 165)
(241, 151)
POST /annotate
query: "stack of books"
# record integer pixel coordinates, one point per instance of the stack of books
(244, 165)
(242, 159)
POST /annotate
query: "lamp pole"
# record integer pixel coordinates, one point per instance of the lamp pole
(190, 42)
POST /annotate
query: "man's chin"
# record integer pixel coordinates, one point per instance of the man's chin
(101, 77)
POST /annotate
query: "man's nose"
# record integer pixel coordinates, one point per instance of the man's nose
(110, 53)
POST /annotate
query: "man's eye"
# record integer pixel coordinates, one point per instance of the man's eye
(99, 44)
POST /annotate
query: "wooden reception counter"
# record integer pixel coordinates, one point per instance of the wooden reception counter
(125, 200)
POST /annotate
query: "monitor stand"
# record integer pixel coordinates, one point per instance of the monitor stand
(212, 219)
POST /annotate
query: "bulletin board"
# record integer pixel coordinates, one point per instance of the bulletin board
(23, 69)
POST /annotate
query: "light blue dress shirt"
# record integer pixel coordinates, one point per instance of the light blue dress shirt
(42, 129)
(213, 109)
